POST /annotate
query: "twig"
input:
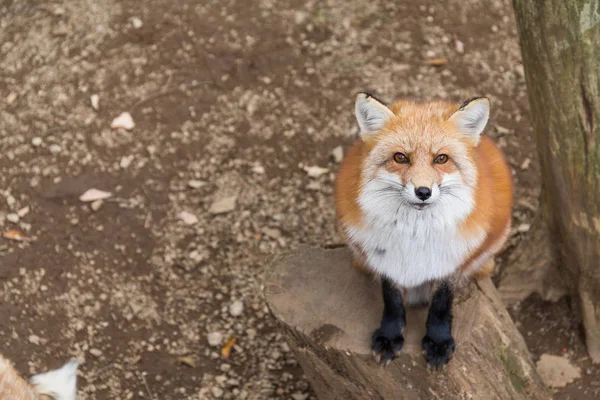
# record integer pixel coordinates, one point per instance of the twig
(143, 379)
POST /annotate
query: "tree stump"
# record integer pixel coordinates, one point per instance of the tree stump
(328, 311)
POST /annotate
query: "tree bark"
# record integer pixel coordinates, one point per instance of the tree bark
(329, 310)
(560, 44)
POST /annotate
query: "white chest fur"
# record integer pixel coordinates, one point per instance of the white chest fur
(411, 246)
(412, 254)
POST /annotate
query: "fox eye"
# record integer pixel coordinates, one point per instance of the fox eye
(400, 158)
(441, 159)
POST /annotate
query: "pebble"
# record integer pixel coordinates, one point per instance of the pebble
(55, 149)
(14, 218)
(460, 47)
(96, 352)
(34, 339)
(214, 338)
(188, 218)
(216, 391)
(236, 308)
(126, 161)
(196, 184)
(223, 206)
(136, 22)
(95, 100)
(338, 154)
(123, 121)
(95, 206)
(36, 141)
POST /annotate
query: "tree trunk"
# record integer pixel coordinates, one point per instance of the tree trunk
(560, 44)
(329, 310)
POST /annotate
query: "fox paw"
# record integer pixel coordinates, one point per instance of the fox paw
(385, 348)
(437, 354)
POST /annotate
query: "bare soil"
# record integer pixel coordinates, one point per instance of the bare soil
(235, 96)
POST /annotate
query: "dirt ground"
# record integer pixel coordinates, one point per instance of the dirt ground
(230, 100)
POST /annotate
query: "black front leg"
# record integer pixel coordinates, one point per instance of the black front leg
(387, 340)
(438, 344)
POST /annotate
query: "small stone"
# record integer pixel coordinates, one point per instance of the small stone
(272, 233)
(258, 169)
(251, 333)
(216, 391)
(460, 47)
(225, 367)
(14, 218)
(36, 141)
(196, 184)
(136, 22)
(299, 396)
(525, 164)
(223, 206)
(188, 218)
(523, 228)
(55, 149)
(315, 171)
(93, 195)
(126, 161)
(96, 352)
(34, 339)
(338, 154)
(95, 206)
(236, 308)
(123, 121)
(95, 100)
(214, 339)
(12, 96)
(557, 371)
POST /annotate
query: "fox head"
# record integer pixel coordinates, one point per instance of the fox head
(420, 156)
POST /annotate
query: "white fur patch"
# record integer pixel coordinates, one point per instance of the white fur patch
(411, 246)
(60, 384)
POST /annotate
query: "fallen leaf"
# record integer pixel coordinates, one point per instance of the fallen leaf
(437, 62)
(226, 350)
(15, 235)
(23, 212)
(189, 361)
(315, 171)
(123, 121)
(188, 218)
(93, 195)
(557, 371)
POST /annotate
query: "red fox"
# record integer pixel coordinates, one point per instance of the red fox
(59, 384)
(422, 200)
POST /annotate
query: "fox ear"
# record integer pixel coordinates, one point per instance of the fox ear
(371, 114)
(471, 117)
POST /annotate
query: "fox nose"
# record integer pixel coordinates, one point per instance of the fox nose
(423, 193)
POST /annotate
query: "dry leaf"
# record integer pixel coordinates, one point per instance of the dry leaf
(189, 361)
(436, 62)
(15, 235)
(93, 195)
(226, 350)
(123, 121)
